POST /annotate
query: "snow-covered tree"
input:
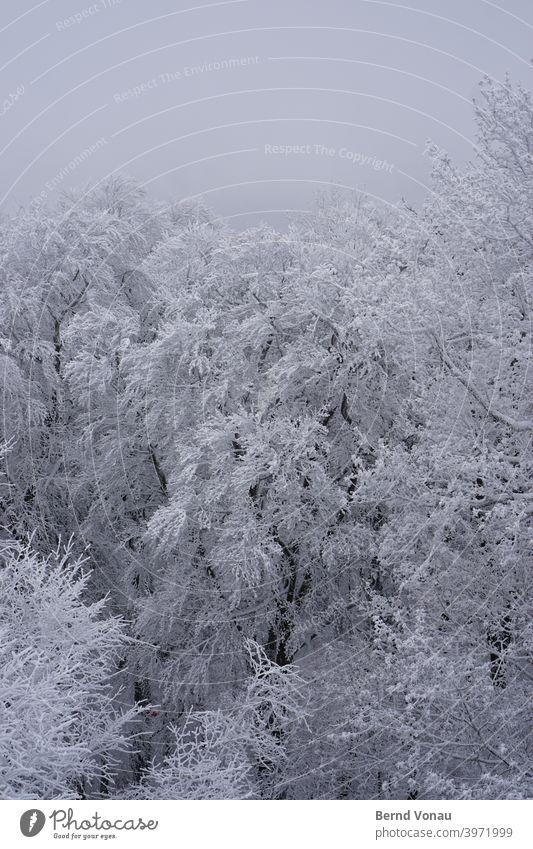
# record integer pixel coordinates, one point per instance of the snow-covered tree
(242, 749)
(63, 724)
(301, 461)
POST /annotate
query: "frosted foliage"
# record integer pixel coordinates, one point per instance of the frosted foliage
(61, 729)
(298, 464)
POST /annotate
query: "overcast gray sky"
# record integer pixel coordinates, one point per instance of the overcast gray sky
(254, 104)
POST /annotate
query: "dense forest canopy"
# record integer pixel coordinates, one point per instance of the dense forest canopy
(264, 497)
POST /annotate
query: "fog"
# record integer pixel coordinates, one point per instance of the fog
(254, 105)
